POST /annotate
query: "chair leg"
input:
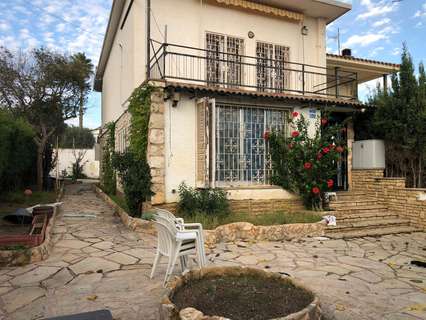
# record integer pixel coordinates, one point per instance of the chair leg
(183, 263)
(172, 262)
(156, 261)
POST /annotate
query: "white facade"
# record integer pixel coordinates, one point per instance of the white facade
(67, 157)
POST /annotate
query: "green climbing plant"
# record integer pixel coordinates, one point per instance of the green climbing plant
(132, 165)
(108, 180)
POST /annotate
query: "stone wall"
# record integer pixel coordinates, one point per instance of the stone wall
(156, 152)
(408, 203)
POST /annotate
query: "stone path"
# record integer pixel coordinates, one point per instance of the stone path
(98, 263)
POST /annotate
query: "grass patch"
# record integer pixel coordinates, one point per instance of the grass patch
(265, 219)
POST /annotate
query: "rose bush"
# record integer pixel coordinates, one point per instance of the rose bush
(306, 164)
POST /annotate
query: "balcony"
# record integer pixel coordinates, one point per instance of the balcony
(253, 73)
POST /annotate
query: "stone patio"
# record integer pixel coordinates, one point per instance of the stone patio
(98, 263)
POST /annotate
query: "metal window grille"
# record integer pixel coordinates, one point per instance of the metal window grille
(224, 59)
(272, 60)
(242, 154)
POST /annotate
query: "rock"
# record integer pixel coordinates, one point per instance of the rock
(190, 314)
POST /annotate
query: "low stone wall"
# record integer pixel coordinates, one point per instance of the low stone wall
(169, 311)
(244, 231)
(408, 203)
(135, 224)
(25, 256)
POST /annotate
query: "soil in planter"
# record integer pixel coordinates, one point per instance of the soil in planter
(242, 298)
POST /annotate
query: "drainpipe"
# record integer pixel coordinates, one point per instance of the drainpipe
(148, 39)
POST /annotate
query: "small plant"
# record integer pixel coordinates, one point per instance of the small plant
(207, 201)
(78, 166)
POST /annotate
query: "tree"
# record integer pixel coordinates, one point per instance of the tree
(85, 70)
(76, 137)
(44, 87)
(399, 118)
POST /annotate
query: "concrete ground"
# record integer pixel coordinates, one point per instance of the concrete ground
(97, 263)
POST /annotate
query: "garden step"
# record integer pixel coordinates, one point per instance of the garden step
(369, 224)
(360, 208)
(351, 197)
(366, 216)
(351, 203)
(358, 233)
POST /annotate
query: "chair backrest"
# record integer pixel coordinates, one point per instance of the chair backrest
(166, 237)
(167, 215)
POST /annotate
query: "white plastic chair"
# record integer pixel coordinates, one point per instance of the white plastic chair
(174, 243)
(181, 225)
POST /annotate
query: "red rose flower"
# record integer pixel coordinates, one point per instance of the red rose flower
(266, 135)
(326, 150)
(307, 165)
(319, 156)
(331, 146)
(315, 190)
(339, 149)
(330, 183)
(295, 134)
(295, 114)
(324, 121)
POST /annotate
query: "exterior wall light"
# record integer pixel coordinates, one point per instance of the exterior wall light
(251, 34)
(305, 30)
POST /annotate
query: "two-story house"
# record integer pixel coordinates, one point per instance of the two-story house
(228, 70)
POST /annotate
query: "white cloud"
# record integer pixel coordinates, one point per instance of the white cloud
(4, 26)
(364, 40)
(381, 23)
(421, 13)
(396, 51)
(380, 8)
(376, 51)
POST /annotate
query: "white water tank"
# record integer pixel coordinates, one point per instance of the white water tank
(368, 154)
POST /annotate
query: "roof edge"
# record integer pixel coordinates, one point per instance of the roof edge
(351, 58)
(110, 32)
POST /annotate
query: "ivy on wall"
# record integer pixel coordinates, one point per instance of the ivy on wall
(132, 165)
(108, 180)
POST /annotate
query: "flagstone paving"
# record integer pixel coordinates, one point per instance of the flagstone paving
(98, 263)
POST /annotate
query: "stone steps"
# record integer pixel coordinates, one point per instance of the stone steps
(369, 224)
(336, 205)
(353, 217)
(358, 233)
(359, 209)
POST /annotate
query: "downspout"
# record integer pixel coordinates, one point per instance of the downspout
(148, 39)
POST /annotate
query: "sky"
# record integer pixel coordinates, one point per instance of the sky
(373, 29)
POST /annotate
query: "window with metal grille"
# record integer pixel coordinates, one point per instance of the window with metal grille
(224, 60)
(241, 152)
(272, 60)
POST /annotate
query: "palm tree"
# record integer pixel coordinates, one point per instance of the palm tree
(84, 68)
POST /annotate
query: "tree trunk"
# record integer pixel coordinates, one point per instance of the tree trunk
(80, 112)
(40, 151)
(420, 182)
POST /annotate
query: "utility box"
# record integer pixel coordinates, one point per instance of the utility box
(368, 154)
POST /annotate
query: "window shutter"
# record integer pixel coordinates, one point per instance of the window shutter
(203, 144)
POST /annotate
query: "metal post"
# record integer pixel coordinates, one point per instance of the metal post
(336, 77)
(385, 84)
(303, 78)
(148, 39)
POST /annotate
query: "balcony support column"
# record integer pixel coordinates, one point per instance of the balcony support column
(336, 77)
(385, 84)
(148, 39)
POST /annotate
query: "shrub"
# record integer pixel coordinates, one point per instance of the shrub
(78, 166)
(17, 152)
(207, 201)
(135, 176)
(304, 164)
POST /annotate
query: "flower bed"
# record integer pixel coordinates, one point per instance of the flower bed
(21, 253)
(238, 293)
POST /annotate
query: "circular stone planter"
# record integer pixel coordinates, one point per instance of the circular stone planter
(258, 294)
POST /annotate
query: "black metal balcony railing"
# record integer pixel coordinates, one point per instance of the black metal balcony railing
(230, 70)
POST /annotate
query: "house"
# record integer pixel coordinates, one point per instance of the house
(228, 70)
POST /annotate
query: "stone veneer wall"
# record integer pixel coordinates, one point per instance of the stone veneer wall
(156, 148)
(392, 193)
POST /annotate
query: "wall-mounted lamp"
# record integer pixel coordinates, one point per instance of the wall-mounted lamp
(251, 34)
(305, 30)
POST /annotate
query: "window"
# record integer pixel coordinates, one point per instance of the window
(272, 60)
(121, 141)
(241, 153)
(224, 60)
